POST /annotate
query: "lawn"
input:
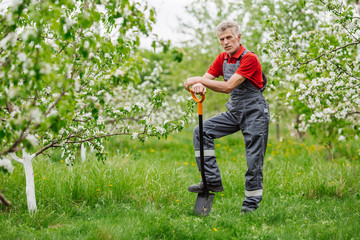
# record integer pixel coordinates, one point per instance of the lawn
(140, 192)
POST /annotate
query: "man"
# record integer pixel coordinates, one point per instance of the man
(247, 111)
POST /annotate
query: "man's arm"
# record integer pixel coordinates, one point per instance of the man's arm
(193, 80)
(218, 86)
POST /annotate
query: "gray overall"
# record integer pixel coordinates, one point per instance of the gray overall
(248, 111)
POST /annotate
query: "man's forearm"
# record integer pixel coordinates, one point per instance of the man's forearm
(218, 86)
(215, 85)
(208, 81)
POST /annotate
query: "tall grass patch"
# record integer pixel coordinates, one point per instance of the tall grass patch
(140, 192)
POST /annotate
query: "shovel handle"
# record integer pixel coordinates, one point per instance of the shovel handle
(195, 98)
(199, 101)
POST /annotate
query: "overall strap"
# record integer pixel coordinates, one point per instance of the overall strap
(238, 62)
(244, 52)
(263, 74)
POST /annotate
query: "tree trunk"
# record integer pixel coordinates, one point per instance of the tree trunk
(300, 134)
(26, 161)
(30, 183)
(330, 150)
(277, 121)
(83, 153)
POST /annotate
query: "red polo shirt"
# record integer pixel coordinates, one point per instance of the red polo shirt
(250, 66)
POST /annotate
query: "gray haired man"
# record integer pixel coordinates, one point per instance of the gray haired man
(248, 111)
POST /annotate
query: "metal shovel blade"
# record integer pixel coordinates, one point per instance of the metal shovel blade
(204, 203)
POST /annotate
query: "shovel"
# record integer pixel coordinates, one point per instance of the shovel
(205, 199)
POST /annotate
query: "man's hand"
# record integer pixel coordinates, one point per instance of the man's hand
(198, 88)
(190, 82)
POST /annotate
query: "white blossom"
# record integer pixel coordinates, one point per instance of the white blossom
(161, 130)
(22, 57)
(147, 120)
(157, 91)
(27, 33)
(265, 9)
(6, 163)
(32, 139)
(140, 105)
(342, 138)
(100, 121)
(11, 37)
(46, 69)
(47, 90)
(86, 44)
(93, 98)
(119, 72)
(135, 135)
(36, 115)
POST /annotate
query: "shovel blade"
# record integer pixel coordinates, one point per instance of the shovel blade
(204, 203)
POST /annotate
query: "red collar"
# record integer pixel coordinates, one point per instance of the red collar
(239, 52)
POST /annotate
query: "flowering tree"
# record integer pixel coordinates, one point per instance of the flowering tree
(322, 68)
(308, 49)
(68, 76)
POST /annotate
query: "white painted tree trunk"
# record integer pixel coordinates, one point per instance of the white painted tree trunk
(30, 183)
(83, 153)
(29, 176)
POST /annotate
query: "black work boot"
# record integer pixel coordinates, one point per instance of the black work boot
(247, 210)
(213, 187)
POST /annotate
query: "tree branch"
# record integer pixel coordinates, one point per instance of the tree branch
(46, 147)
(14, 148)
(102, 68)
(77, 120)
(96, 137)
(344, 70)
(81, 68)
(56, 102)
(62, 49)
(353, 113)
(16, 158)
(334, 50)
(6, 62)
(9, 107)
(337, 14)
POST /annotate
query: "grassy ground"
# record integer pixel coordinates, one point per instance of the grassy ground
(141, 193)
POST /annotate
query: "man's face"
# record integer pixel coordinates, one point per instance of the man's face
(229, 41)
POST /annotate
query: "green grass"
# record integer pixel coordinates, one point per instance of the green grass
(140, 192)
